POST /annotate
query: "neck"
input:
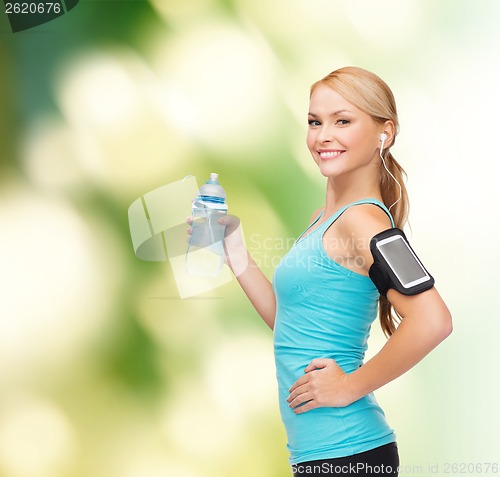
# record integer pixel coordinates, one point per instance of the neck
(341, 191)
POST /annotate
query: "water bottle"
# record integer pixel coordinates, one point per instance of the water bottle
(205, 255)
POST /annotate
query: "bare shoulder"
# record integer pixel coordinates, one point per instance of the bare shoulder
(316, 213)
(364, 220)
(360, 223)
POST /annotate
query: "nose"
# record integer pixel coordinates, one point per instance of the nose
(326, 134)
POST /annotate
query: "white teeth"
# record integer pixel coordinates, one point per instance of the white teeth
(330, 154)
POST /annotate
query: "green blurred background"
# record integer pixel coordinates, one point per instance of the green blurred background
(104, 371)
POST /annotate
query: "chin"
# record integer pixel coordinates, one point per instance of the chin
(330, 172)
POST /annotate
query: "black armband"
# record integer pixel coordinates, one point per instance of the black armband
(396, 265)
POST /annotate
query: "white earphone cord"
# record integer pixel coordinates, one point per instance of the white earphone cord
(390, 173)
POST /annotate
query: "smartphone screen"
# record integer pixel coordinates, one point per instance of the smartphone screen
(402, 261)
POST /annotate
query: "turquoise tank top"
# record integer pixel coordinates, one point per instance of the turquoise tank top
(325, 310)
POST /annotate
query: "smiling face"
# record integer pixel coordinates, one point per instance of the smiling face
(342, 139)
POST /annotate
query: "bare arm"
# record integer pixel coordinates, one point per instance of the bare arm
(259, 291)
(254, 283)
(426, 322)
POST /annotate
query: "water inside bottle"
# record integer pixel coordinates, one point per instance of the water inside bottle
(206, 250)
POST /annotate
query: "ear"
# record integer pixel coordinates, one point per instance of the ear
(390, 131)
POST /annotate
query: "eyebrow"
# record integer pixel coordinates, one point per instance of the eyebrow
(336, 113)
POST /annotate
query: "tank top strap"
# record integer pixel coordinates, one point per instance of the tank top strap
(339, 212)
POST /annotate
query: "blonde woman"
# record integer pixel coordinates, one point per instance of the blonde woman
(322, 301)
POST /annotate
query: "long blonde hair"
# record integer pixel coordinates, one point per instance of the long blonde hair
(370, 94)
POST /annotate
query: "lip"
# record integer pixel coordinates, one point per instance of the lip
(328, 154)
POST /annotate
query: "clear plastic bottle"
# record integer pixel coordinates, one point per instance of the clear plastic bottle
(205, 255)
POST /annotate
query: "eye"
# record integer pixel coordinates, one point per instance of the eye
(342, 122)
(313, 122)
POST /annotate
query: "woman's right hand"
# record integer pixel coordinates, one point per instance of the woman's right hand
(234, 244)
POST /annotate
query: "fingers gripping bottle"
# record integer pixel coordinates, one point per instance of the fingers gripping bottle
(205, 255)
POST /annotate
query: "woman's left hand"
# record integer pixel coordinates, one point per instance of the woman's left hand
(324, 385)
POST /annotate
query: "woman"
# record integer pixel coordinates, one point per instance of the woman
(322, 301)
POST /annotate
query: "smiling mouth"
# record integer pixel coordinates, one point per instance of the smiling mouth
(329, 154)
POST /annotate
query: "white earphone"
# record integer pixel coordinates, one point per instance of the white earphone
(383, 138)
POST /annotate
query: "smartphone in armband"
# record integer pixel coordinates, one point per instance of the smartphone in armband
(396, 265)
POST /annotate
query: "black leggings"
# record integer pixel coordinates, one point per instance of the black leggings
(382, 460)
